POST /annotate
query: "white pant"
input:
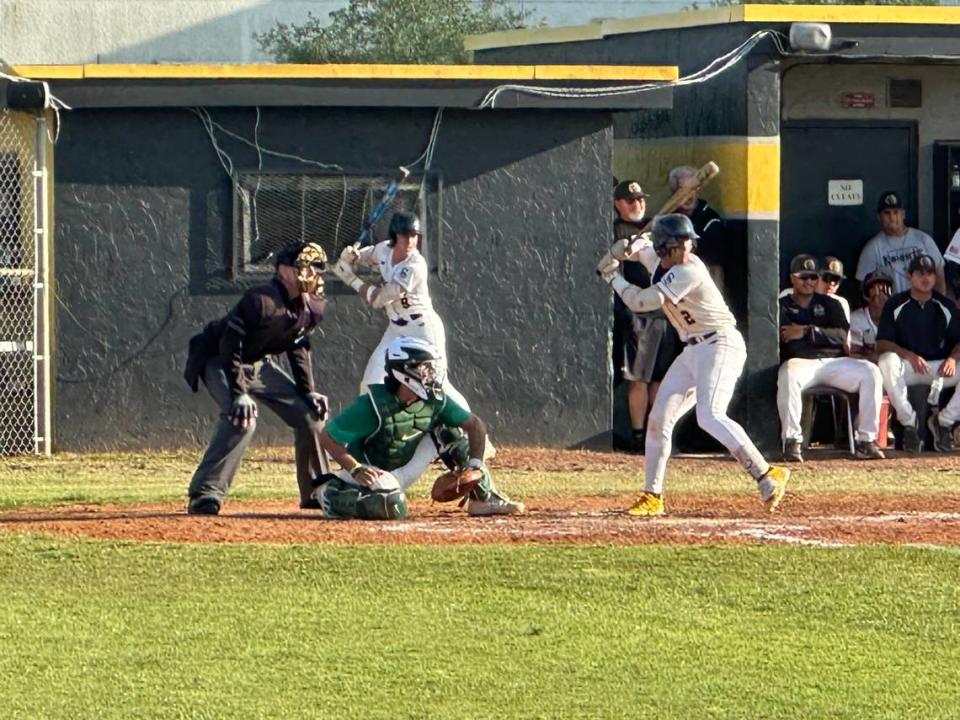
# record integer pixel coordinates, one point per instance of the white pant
(406, 475)
(704, 375)
(428, 327)
(844, 373)
(898, 375)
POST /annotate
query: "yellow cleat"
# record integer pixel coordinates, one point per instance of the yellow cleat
(773, 486)
(648, 505)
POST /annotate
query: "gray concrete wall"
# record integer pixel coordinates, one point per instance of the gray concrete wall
(143, 31)
(813, 92)
(143, 222)
(149, 31)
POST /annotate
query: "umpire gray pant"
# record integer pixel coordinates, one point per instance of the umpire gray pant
(272, 387)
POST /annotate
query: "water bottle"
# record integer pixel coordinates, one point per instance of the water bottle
(933, 399)
(955, 176)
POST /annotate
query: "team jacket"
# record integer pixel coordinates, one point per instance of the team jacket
(930, 329)
(826, 334)
(266, 321)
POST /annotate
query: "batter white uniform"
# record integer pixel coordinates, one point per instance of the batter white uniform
(411, 314)
(706, 372)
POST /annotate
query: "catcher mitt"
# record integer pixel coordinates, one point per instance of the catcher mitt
(455, 484)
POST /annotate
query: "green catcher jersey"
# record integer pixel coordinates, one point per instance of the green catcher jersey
(380, 431)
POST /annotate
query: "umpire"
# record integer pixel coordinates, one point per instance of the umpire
(233, 357)
(644, 344)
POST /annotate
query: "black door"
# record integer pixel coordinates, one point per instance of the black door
(883, 155)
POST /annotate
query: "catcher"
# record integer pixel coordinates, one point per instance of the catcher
(388, 437)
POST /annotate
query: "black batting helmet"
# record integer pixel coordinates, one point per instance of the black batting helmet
(669, 231)
(403, 223)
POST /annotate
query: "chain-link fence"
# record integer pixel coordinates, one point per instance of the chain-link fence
(17, 277)
(274, 210)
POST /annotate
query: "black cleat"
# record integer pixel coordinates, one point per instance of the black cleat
(942, 436)
(868, 450)
(204, 505)
(792, 451)
(911, 439)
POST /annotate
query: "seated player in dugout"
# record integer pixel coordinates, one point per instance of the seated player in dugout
(644, 343)
(864, 322)
(386, 440)
(813, 348)
(917, 340)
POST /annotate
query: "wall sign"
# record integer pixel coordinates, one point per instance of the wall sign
(845, 192)
(858, 100)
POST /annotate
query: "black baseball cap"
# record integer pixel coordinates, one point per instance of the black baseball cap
(832, 268)
(804, 265)
(889, 200)
(628, 190)
(922, 262)
(877, 276)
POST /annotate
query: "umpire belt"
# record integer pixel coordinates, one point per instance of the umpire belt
(402, 321)
(701, 338)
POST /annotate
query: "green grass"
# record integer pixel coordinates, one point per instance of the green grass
(107, 630)
(99, 478)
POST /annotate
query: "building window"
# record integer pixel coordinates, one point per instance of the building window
(272, 210)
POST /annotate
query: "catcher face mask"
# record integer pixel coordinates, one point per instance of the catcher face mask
(310, 264)
(423, 379)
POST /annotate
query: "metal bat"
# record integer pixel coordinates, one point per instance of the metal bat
(381, 207)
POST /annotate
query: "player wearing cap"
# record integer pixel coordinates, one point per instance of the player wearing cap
(877, 287)
(706, 372)
(813, 338)
(896, 245)
(917, 341)
(831, 275)
(644, 344)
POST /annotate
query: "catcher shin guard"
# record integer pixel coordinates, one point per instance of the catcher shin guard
(343, 500)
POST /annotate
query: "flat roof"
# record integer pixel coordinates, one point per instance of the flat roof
(357, 85)
(599, 29)
(617, 73)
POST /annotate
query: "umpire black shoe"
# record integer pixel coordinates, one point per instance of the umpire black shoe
(868, 450)
(911, 439)
(204, 505)
(942, 436)
(792, 451)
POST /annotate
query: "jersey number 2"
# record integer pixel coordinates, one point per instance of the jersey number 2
(688, 317)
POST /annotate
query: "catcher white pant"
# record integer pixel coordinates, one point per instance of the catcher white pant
(426, 326)
(704, 375)
(843, 373)
(898, 375)
(406, 475)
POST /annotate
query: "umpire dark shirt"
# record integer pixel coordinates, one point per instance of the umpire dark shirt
(930, 329)
(826, 334)
(267, 321)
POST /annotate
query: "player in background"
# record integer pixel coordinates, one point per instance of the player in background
(403, 295)
(707, 370)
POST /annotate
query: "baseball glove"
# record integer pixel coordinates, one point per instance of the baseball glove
(455, 484)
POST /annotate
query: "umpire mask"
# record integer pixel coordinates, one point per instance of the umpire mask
(310, 264)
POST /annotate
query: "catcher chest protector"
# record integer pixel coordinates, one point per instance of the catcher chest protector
(350, 501)
(401, 428)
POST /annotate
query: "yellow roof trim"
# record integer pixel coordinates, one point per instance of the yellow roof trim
(355, 72)
(606, 72)
(50, 72)
(760, 13)
(865, 14)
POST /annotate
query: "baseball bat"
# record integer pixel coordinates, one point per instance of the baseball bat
(385, 202)
(704, 175)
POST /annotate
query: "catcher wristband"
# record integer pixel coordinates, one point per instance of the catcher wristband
(356, 283)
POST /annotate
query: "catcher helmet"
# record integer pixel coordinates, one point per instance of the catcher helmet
(403, 223)
(670, 231)
(414, 363)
